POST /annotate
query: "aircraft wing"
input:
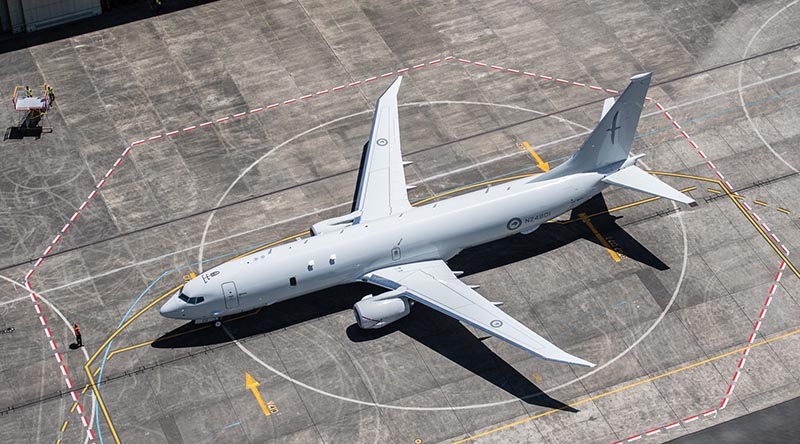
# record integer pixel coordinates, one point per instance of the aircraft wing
(381, 187)
(433, 283)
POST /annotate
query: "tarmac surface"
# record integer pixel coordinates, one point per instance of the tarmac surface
(245, 122)
(776, 424)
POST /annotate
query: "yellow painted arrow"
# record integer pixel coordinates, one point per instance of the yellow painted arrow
(252, 385)
(544, 166)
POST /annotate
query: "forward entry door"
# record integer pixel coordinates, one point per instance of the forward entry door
(230, 294)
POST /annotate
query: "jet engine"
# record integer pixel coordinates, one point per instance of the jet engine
(379, 311)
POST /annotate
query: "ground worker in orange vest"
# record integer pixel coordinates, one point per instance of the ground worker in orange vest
(78, 339)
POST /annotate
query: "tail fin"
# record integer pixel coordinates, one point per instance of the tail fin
(611, 140)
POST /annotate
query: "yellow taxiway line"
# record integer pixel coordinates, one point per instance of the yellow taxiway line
(626, 387)
(734, 198)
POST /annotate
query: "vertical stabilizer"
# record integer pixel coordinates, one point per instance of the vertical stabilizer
(611, 140)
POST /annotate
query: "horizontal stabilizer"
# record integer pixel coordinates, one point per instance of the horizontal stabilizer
(636, 179)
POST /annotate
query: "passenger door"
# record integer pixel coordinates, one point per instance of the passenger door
(230, 294)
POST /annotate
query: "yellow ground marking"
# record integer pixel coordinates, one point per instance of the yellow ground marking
(74, 404)
(626, 387)
(64, 426)
(142, 344)
(251, 384)
(85, 387)
(783, 210)
(537, 378)
(116, 332)
(468, 187)
(735, 199)
(110, 338)
(599, 237)
(713, 190)
(758, 202)
(621, 207)
(58, 441)
(544, 166)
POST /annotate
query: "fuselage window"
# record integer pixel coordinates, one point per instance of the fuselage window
(292, 281)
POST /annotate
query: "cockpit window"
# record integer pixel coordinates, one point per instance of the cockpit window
(191, 301)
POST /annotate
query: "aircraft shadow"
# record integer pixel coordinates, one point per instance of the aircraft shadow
(552, 236)
(439, 332)
(449, 338)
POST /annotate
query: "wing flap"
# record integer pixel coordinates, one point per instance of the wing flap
(433, 283)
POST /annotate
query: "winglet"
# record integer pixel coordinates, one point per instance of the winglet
(381, 186)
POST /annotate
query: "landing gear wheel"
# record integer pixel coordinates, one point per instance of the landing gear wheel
(218, 324)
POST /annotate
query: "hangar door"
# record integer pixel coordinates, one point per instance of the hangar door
(230, 294)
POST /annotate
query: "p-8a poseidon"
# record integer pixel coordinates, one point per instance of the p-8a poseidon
(387, 242)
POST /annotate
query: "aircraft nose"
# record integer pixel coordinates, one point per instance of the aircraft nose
(171, 309)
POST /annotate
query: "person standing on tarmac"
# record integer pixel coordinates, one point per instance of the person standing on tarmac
(77, 331)
(28, 91)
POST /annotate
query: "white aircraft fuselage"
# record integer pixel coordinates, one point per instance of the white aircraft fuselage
(342, 254)
(388, 242)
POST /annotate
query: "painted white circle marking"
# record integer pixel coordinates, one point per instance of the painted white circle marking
(464, 407)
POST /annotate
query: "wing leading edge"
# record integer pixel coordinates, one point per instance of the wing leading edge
(433, 283)
(381, 188)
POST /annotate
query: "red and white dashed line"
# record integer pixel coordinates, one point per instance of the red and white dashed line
(739, 366)
(27, 280)
(305, 97)
(757, 325)
(53, 345)
(35, 299)
(385, 75)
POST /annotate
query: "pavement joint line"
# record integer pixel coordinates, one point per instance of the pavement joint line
(438, 195)
(668, 426)
(683, 133)
(729, 189)
(739, 366)
(223, 119)
(40, 261)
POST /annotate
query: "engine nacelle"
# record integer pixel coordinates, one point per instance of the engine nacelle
(381, 310)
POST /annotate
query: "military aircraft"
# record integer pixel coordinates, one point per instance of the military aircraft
(387, 242)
